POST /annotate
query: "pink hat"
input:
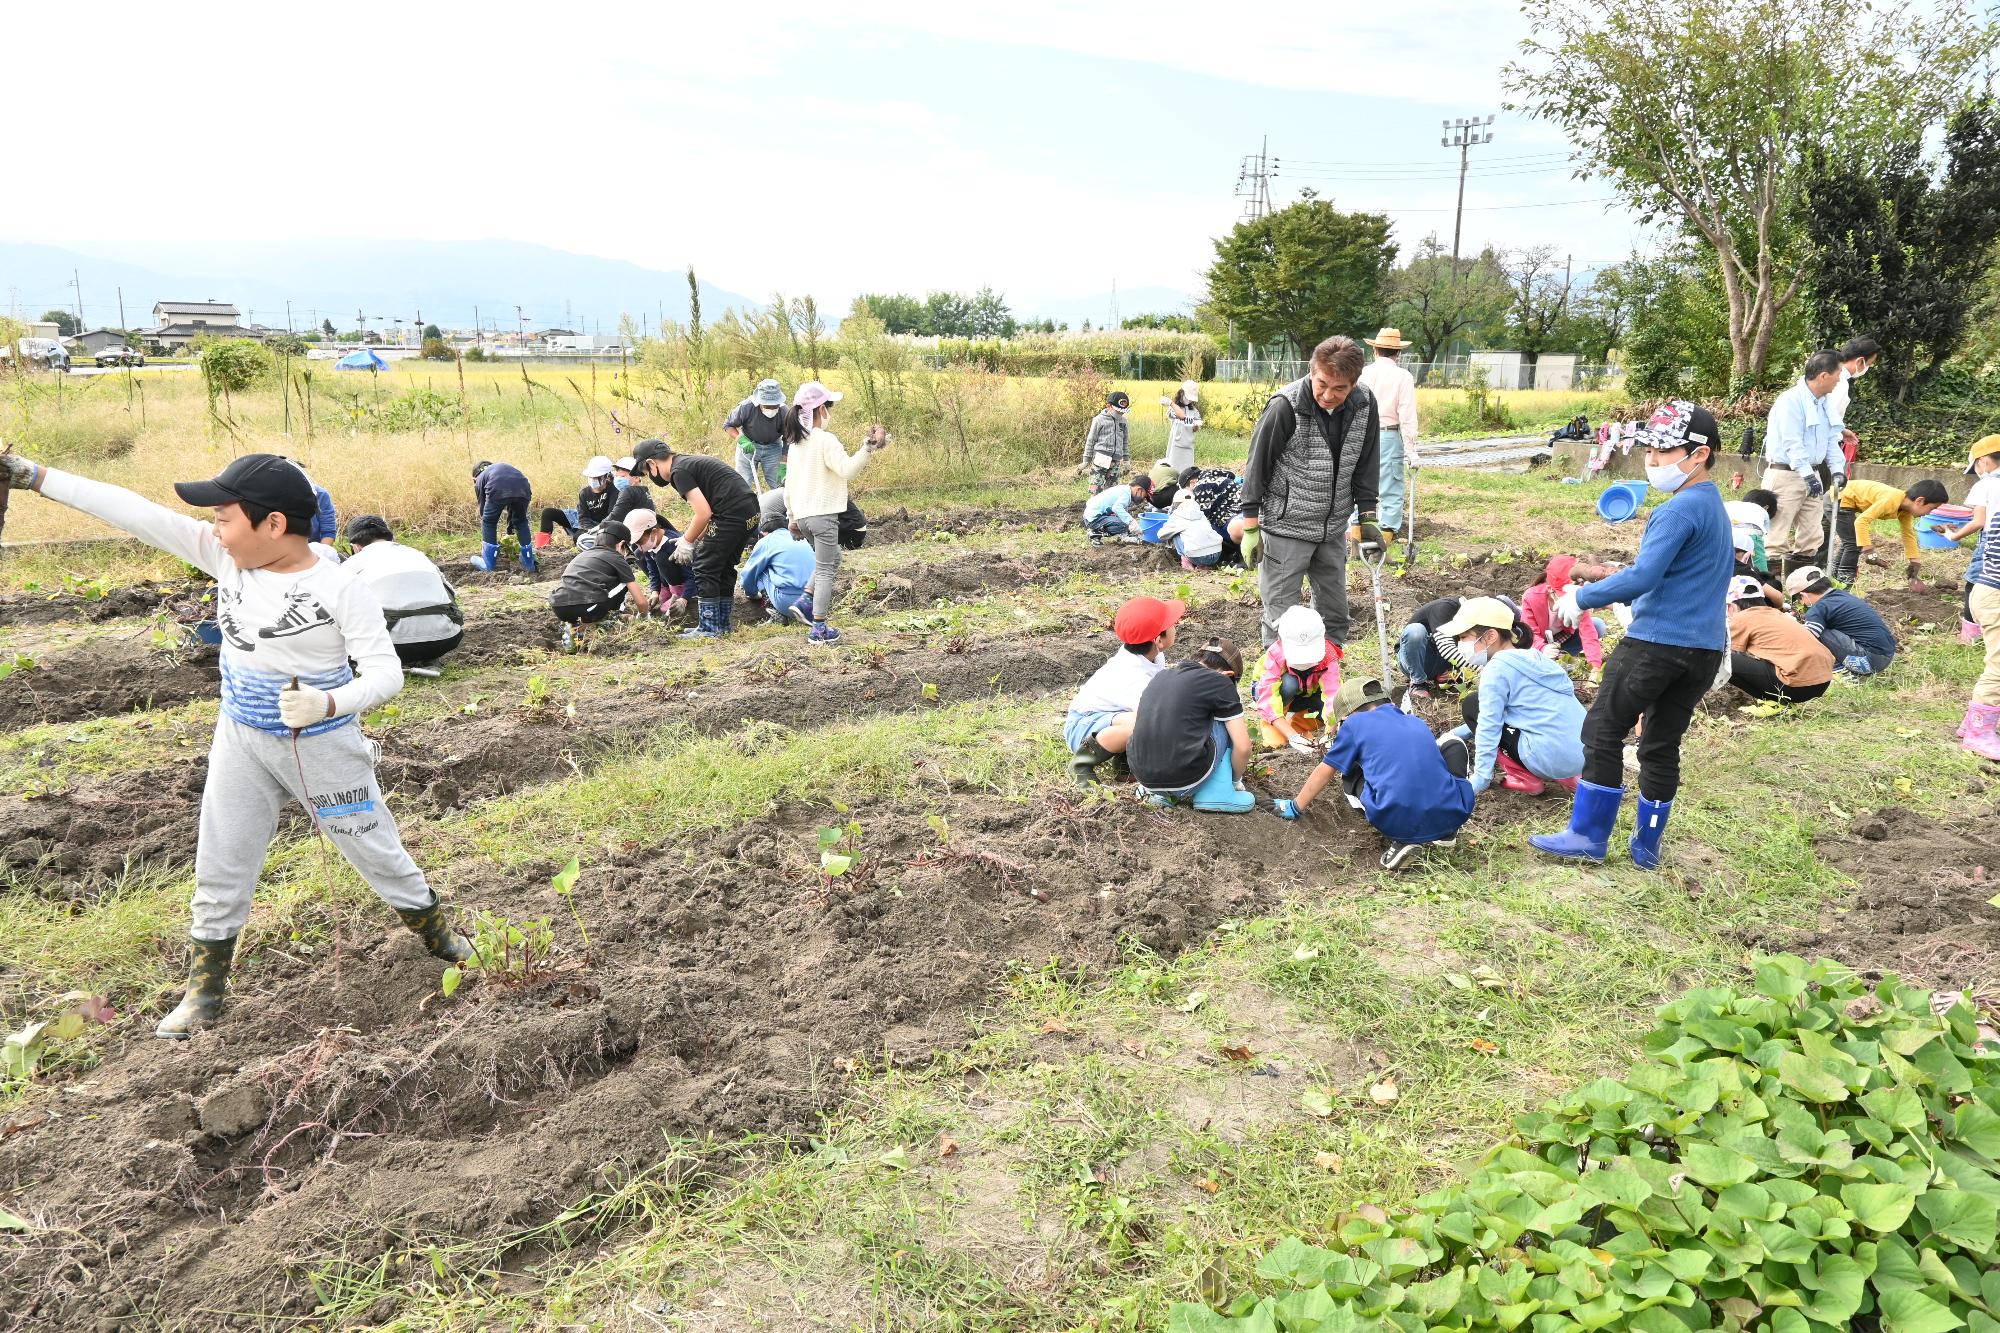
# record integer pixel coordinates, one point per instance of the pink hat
(812, 396)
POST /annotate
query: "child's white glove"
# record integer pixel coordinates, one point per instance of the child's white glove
(1303, 745)
(1551, 651)
(683, 550)
(302, 706)
(1567, 610)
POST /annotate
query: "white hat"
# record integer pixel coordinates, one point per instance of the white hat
(1190, 390)
(1744, 539)
(1302, 633)
(626, 464)
(1742, 587)
(639, 522)
(600, 466)
(1743, 514)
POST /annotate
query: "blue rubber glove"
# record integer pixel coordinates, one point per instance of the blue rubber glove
(1284, 808)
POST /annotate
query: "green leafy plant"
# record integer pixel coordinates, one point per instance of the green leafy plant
(564, 883)
(838, 847)
(940, 826)
(514, 953)
(25, 1050)
(538, 694)
(16, 662)
(1805, 1155)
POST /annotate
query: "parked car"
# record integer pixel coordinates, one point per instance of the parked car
(39, 353)
(120, 356)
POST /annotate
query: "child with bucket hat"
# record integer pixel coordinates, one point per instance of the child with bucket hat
(1183, 422)
(1298, 674)
(1411, 788)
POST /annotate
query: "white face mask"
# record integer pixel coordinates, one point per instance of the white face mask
(1477, 656)
(1667, 477)
(768, 411)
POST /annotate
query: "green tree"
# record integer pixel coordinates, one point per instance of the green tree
(1169, 323)
(1601, 314)
(326, 327)
(1679, 343)
(946, 315)
(436, 349)
(286, 344)
(1901, 246)
(898, 313)
(66, 324)
(1540, 284)
(1704, 112)
(987, 316)
(1435, 308)
(432, 333)
(1302, 273)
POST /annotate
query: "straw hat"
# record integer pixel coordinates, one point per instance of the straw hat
(1388, 339)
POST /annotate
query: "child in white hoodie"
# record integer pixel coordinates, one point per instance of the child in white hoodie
(1188, 531)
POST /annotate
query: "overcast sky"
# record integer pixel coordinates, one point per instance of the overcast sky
(1047, 148)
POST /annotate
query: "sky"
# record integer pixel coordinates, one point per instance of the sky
(1045, 148)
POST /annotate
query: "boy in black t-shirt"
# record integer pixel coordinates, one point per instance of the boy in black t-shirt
(597, 583)
(725, 519)
(1189, 738)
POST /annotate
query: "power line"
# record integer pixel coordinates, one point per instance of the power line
(1489, 208)
(1517, 157)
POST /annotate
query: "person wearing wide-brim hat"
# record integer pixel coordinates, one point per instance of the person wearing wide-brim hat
(756, 425)
(1395, 391)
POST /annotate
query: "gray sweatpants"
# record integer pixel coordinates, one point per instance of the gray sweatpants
(823, 531)
(1287, 563)
(251, 775)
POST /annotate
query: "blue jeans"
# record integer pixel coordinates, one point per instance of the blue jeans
(515, 513)
(1849, 655)
(1198, 561)
(766, 458)
(1390, 502)
(1108, 524)
(1418, 656)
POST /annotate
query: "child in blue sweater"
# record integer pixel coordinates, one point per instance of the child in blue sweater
(1678, 588)
(1525, 720)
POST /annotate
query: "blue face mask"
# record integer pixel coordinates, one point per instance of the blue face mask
(621, 482)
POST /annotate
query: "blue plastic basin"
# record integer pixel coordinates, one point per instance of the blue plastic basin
(1150, 525)
(1620, 500)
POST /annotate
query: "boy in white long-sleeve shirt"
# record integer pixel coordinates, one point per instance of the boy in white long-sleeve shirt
(290, 622)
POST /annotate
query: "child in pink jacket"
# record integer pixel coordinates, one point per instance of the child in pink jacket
(1295, 681)
(1552, 637)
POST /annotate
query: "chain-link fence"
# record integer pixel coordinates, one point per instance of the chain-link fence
(1558, 373)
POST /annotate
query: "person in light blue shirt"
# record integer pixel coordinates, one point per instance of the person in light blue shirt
(1524, 720)
(1801, 455)
(1109, 512)
(1670, 655)
(779, 574)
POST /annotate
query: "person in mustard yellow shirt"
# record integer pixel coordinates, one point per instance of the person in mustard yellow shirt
(1865, 503)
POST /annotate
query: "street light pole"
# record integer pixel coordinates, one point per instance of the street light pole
(1464, 134)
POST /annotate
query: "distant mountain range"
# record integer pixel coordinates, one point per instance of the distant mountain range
(338, 279)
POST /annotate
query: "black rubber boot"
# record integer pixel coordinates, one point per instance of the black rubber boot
(1083, 764)
(208, 978)
(436, 932)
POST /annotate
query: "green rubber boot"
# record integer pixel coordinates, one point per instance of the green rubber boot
(431, 926)
(208, 977)
(1083, 764)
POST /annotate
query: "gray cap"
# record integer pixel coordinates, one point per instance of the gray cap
(769, 393)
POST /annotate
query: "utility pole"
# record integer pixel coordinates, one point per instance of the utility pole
(478, 329)
(1253, 181)
(288, 315)
(1464, 134)
(522, 335)
(76, 281)
(122, 326)
(361, 323)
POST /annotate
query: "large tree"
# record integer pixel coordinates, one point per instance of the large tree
(1302, 273)
(1435, 307)
(1901, 246)
(66, 323)
(1601, 314)
(1539, 280)
(1704, 112)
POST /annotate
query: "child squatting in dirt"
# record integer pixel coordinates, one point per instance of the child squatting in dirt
(291, 621)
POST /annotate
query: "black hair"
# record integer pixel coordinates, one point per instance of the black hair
(299, 525)
(1820, 363)
(1763, 499)
(1188, 474)
(1141, 648)
(1180, 397)
(481, 466)
(1143, 481)
(792, 427)
(1863, 346)
(1929, 490)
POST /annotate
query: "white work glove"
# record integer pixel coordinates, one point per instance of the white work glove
(19, 471)
(683, 550)
(1303, 745)
(1551, 651)
(1410, 458)
(302, 706)
(1567, 611)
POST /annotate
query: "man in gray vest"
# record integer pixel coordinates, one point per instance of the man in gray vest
(1315, 458)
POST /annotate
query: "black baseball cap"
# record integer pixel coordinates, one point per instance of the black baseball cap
(647, 451)
(1118, 398)
(268, 481)
(368, 528)
(611, 534)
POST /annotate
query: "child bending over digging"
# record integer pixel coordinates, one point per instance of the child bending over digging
(1099, 724)
(1293, 681)
(1524, 720)
(291, 622)
(598, 582)
(1410, 788)
(1189, 742)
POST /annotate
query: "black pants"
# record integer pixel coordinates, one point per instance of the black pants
(1848, 562)
(589, 613)
(1759, 679)
(1510, 737)
(716, 554)
(416, 654)
(553, 518)
(1661, 684)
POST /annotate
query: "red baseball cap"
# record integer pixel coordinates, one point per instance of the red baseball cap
(1144, 619)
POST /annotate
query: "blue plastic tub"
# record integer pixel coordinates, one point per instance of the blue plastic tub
(1620, 500)
(206, 631)
(1150, 525)
(1930, 534)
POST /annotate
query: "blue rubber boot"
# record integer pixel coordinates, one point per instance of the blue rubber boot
(1217, 793)
(1590, 821)
(707, 619)
(1651, 823)
(488, 557)
(528, 559)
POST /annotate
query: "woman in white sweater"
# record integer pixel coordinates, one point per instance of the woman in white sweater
(817, 473)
